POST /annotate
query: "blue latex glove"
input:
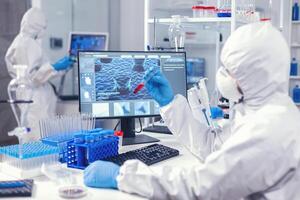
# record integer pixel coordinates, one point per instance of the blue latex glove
(216, 112)
(158, 87)
(101, 174)
(64, 63)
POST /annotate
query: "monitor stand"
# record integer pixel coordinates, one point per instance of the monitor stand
(130, 138)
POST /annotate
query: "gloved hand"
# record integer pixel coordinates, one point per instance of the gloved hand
(101, 174)
(63, 63)
(158, 87)
(216, 112)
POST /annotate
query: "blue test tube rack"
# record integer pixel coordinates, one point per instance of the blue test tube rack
(61, 141)
(25, 161)
(87, 148)
(29, 150)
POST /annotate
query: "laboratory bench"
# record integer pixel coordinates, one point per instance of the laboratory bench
(46, 189)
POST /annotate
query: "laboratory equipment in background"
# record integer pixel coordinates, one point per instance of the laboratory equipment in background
(107, 81)
(296, 94)
(224, 8)
(204, 11)
(176, 33)
(295, 11)
(246, 11)
(294, 67)
(20, 90)
(198, 11)
(195, 70)
(266, 14)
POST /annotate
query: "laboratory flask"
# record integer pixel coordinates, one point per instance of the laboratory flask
(176, 33)
(20, 94)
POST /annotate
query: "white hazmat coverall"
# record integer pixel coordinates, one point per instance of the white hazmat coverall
(26, 50)
(260, 156)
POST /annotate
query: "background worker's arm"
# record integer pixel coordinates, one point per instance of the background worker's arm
(39, 68)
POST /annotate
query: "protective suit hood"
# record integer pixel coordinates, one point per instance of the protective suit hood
(33, 23)
(257, 56)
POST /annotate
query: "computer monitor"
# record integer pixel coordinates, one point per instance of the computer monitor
(88, 41)
(107, 80)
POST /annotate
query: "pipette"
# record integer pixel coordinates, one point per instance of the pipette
(140, 86)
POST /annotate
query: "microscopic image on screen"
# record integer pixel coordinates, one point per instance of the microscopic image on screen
(121, 108)
(142, 108)
(116, 78)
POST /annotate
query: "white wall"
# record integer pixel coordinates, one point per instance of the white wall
(132, 25)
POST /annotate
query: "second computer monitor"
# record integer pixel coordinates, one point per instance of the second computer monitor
(88, 41)
(108, 79)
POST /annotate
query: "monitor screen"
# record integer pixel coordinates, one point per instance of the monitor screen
(195, 68)
(107, 81)
(87, 42)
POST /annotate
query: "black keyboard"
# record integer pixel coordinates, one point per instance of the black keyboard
(149, 155)
(158, 129)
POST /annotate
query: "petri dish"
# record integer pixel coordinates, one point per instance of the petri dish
(72, 192)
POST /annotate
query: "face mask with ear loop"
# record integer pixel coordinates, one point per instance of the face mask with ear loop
(228, 86)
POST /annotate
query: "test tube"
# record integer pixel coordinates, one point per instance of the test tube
(140, 86)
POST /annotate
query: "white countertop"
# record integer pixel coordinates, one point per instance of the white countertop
(45, 189)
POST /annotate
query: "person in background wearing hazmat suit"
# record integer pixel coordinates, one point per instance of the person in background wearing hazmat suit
(26, 50)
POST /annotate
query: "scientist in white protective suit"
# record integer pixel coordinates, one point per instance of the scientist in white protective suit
(26, 49)
(260, 156)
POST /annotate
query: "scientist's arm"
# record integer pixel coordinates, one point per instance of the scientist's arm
(243, 166)
(194, 135)
(48, 71)
(178, 116)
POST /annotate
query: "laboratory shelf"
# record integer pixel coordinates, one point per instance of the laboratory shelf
(296, 22)
(294, 77)
(168, 21)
